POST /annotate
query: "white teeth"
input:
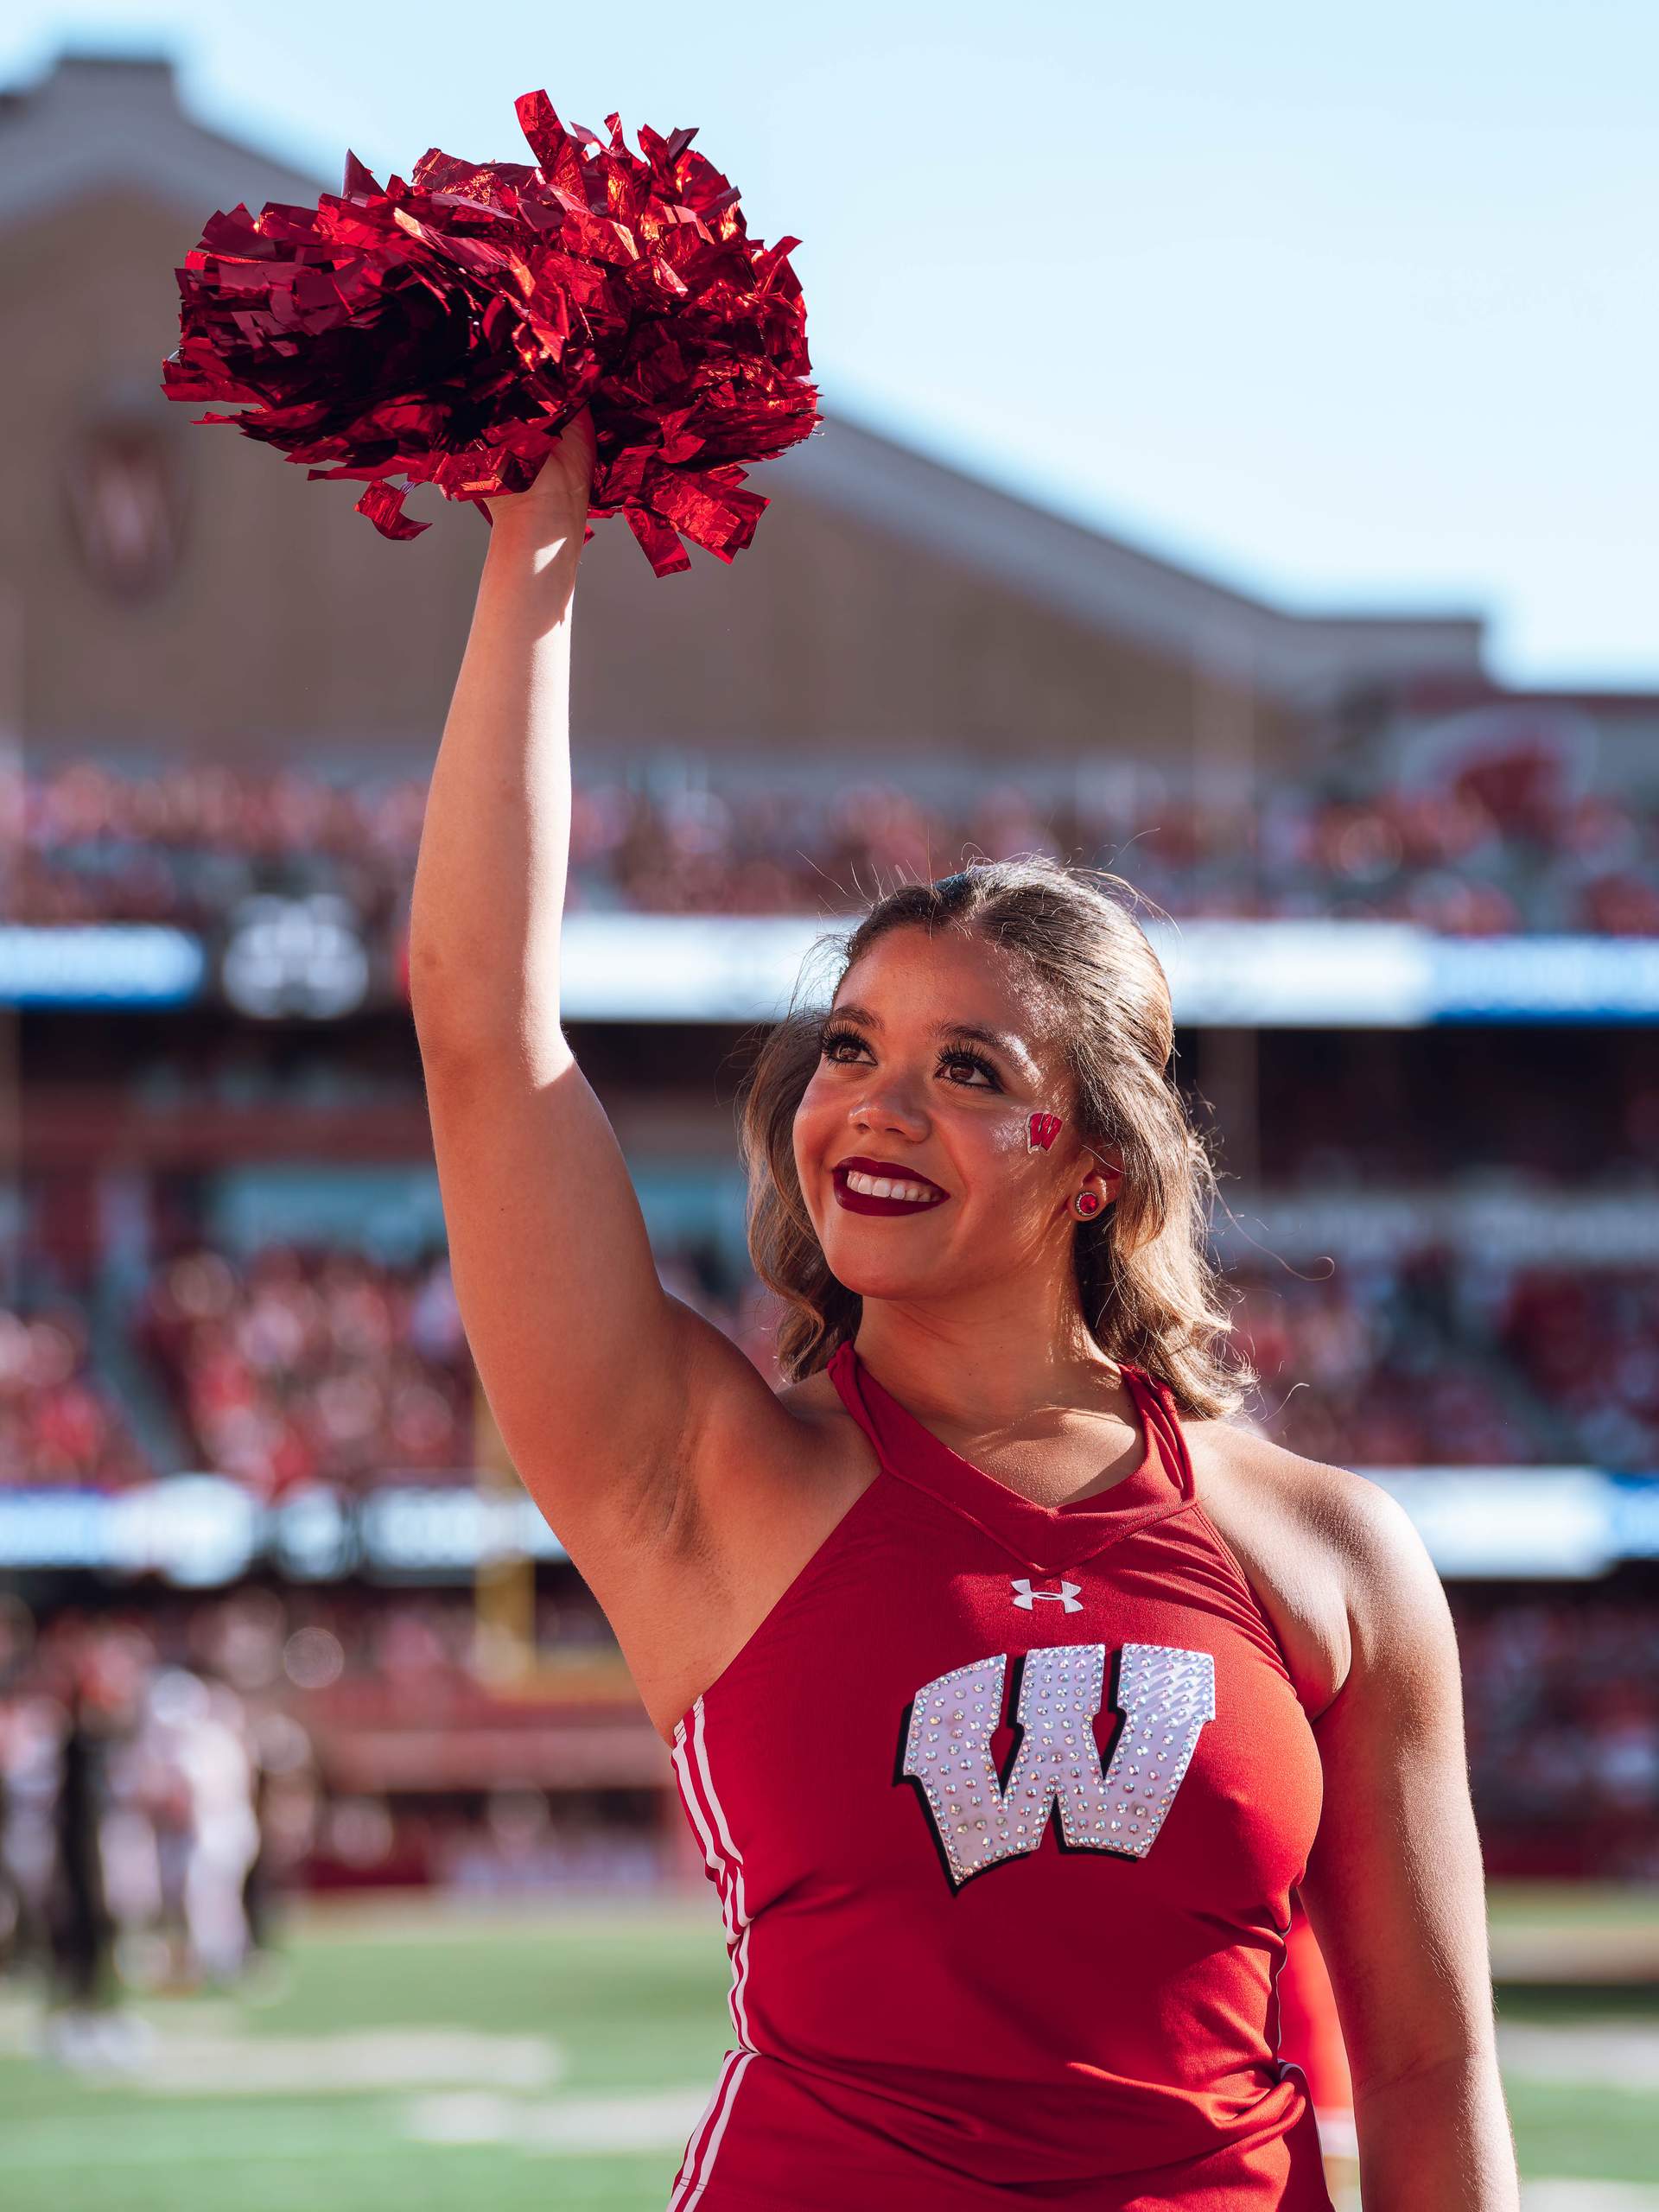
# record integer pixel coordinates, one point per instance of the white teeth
(884, 1187)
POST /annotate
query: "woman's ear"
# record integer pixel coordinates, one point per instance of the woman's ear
(1109, 1167)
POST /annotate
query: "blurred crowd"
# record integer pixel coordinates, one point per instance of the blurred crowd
(61, 1425)
(1561, 1703)
(1425, 1359)
(172, 1766)
(148, 1810)
(300, 1365)
(1588, 1341)
(303, 1364)
(1501, 847)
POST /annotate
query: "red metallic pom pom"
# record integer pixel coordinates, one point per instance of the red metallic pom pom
(445, 330)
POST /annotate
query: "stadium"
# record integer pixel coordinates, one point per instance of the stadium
(402, 1906)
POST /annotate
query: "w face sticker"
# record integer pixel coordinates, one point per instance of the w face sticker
(1041, 1131)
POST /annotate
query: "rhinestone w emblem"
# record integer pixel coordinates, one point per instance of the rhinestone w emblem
(1067, 1595)
(1165, 1695)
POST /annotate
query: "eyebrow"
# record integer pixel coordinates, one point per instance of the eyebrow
(999, 1040)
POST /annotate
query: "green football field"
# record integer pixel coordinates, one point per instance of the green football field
(408, 2057)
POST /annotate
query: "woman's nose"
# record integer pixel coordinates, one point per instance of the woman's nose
(894, 1104)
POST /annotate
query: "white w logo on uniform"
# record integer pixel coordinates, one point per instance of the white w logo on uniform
(1165, 1695)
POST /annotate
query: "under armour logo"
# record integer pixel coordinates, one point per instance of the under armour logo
(1040, 1131)
(1067, 1595)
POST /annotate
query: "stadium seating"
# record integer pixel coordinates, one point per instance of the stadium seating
(318, 1363)
(183, 844)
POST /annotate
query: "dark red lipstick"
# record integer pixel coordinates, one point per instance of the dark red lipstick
(889, 1170)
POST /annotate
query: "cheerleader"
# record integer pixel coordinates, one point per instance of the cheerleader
(1011, 1687)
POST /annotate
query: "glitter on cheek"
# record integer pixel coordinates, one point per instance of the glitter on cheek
(1007, 1135)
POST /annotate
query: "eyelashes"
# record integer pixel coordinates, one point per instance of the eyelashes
(834, 1033)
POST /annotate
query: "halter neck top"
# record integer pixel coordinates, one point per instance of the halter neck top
(1004, 1804)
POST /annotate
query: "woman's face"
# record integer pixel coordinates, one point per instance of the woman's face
(904, 1081)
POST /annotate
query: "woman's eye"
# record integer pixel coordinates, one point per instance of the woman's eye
(973, 1061)
(831, 1043)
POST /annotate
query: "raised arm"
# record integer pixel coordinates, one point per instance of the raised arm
(597, 1377)
(490, 876)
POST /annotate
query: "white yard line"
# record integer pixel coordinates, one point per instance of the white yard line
(114, 2142)
(659, 2119)
(1606, 2054)
(1570, 2195)
(325, 2132)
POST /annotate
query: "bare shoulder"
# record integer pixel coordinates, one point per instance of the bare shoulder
(1322, 1548)
(1398, 1613)
(1336, 1502)
(762, 1477)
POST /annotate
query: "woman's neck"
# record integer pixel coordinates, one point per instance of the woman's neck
(984, 1381)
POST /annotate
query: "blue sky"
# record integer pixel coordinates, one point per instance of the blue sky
(1346, 307)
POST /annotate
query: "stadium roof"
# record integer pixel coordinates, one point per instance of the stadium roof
(97, 120)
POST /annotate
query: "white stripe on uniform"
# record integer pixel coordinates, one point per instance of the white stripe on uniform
(727, 1873)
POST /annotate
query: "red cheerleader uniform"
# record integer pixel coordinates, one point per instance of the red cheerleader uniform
(1004, 1803)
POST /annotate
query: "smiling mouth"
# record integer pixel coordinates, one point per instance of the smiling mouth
(861, 1191)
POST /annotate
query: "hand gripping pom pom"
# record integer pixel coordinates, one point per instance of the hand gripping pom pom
(445, 330)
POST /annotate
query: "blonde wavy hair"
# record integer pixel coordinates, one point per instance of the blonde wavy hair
(1146, 1288)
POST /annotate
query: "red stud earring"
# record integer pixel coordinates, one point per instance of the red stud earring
(1086, 1204)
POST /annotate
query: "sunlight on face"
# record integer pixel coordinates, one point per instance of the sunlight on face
(936, 1056)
